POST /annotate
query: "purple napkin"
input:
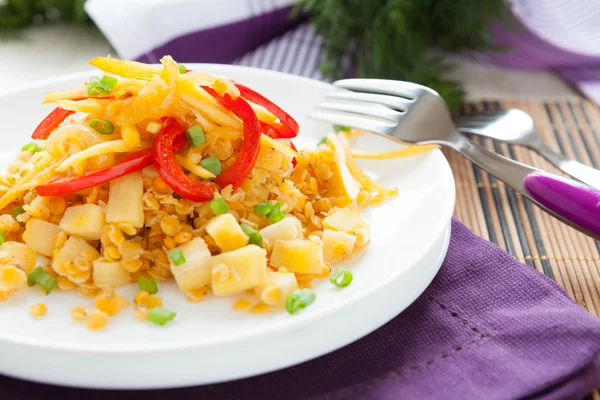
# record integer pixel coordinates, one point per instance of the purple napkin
(488, 327)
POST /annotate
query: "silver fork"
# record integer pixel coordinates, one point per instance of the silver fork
(417, 114)
(516, 127)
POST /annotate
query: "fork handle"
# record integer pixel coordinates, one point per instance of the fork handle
(568, 200)
(577, 170)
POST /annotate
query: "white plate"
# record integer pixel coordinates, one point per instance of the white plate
(210, 342)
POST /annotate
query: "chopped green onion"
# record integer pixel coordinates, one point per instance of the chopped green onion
(341, 277)
(254, 236)
(176, 256)
(102, 86)
(218, 206)
(18, 210)
(276, 214)
(322, 141)
(33, 276)
(31, 147)
(148, 284)
(271, 211)
(195, 136)
(263, 208)
(102, 126)
(160, 316)
(341, 128)
(182, 69)
(299, 299)
(40, 277)
(212, 164)
(2, 238)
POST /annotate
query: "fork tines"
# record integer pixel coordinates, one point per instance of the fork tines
(367, 104)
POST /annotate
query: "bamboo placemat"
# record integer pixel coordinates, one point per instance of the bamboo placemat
(497, 213)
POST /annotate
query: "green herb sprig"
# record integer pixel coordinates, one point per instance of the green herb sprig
(394, 39)
(21, 13)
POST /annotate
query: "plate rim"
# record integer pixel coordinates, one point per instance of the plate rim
(442, 245)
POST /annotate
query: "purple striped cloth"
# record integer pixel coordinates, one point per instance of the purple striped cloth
(556, 34)
(552, 34)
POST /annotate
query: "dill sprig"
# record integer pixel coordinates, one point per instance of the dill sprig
(15, 14)
(397, 39)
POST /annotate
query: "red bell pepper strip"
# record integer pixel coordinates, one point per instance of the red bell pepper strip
(131, 163)
(50, 123)
(55, 118)
(269, 130)
(287, 127)
(246, 159)
(73, 184)
(163, 152)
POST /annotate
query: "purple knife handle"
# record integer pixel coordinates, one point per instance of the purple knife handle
(570, 199)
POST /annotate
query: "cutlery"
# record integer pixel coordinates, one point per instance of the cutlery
(417, 114)
(516, 127)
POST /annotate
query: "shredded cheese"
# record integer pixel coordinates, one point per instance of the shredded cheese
(114, 146)
(193, 168)
(227, 133)
(220, 84)
(199, 99)
(40, 178)
(358, 174)
(130, 85)
(204, 122)
(68, 95)
(270, 142)
(263, 114)
(130, 135)
(92, 106)
(20, 187)
(126, 69)
(386, 155)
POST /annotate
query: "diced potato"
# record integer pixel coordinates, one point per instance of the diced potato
(19, 255)
(298, 255)
(74, 248)
(41, 237)
(237, 271)
(337, 246)
(287, 229)
(349, 221)
(195, 272)
(226, 232)
(11, 279)
(109, 274)
(87, 221)
(277, 287)
(125, 200)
